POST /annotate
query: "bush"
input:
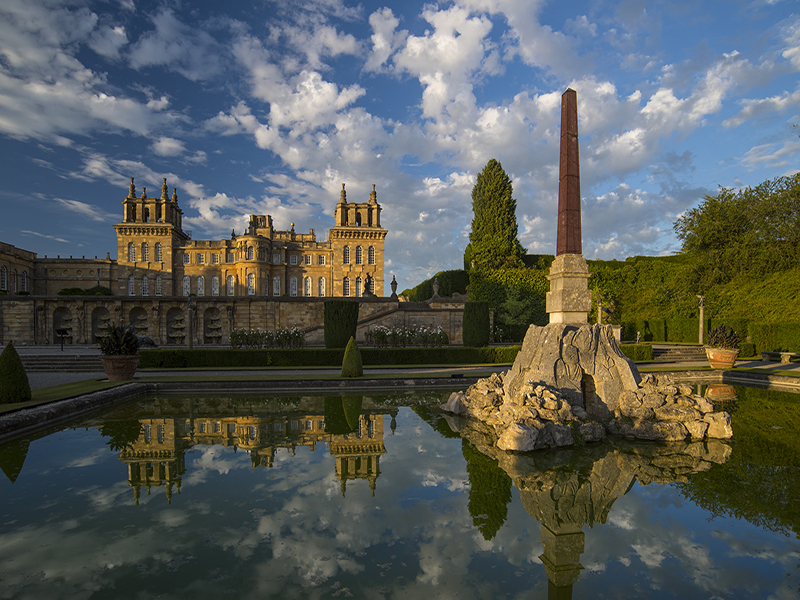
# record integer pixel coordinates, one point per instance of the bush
(351, 363)
(450, 282)
(14, 385)
(283, 337)
(340, 322)
(476, 324)
(775, 337)
(747, 350)
(724, 337)
(401, 337)
(119, 340)
(97, 290)
(637, 352)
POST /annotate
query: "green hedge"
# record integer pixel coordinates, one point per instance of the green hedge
(638, 352)
(318, 357)
(340, 322)
(775, 337)
(476, 324)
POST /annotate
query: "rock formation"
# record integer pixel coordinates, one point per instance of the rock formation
(572, 384)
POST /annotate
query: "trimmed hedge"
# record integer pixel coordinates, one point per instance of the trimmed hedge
(775, 337)
(352, 365)
(318, 357)
(637, 352)
(340, 320)
(14, 385)
(476, 324)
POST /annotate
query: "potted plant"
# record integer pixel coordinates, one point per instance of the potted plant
(118, 349)
(722, 347)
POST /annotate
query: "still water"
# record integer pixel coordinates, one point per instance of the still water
(378, 496)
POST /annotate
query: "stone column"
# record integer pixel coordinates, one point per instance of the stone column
(702, 319)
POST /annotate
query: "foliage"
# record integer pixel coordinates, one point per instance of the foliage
(450, 282)
(755, 230)
(121, 434)
(97, 290)
(120, 340)
(401, 337)
(775, 337)
(516, 295)
(475, 328)
(340, 322)
(723, 336)
(351, 363)
(283, 337)
(341, 414)
(637, 352)
(489, 491)
(14, 384)
(493, 240)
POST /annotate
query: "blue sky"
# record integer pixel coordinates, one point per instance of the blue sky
(268, 107)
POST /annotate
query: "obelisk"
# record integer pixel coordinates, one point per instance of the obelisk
(569, 299)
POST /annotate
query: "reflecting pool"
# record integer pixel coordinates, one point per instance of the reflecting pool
(382, 496)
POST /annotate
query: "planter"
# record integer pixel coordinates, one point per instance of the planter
(120, 367)
(720, 392)
(721, 358)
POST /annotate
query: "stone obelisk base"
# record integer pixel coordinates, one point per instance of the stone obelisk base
(569, 299)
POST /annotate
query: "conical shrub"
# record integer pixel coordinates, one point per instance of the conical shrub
(351, 365)
(14, 385)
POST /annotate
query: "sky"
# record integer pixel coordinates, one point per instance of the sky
(268, 107)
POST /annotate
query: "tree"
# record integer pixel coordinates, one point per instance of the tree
(493, 240)
(14, 385)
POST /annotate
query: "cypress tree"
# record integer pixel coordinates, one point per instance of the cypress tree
(14, 385)
(493, 240)
(340, 321)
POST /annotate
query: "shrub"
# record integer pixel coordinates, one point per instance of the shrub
(119, 340)
(351, 364)
(340, 322)
(14, 385)
(283, 337)
(775, 337)
(638, 352)
(724, 337)
(476, 324)
(401, 337)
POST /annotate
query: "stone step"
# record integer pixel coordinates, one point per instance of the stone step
(69, 363)
(679, 353)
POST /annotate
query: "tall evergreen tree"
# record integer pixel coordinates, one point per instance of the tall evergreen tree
(493, 241)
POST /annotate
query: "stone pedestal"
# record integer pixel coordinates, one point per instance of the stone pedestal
(569, 299)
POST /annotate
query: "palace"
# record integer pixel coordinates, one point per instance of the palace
(157, 257)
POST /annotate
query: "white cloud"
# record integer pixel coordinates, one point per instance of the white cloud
(107, 41)
(167, 146)
(85, 210)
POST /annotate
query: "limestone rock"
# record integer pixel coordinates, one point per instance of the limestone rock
(592, 431)
(455, 404)
(518, 437)
(719, 425)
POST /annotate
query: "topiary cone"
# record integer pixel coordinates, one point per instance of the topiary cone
(14, 385)
(351, 365)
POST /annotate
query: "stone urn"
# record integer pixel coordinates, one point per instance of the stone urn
(121, 367)
(721, 358)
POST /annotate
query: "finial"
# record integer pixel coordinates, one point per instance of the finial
(144, 192)
(233, 234)
(164, 191)
(343, 196)
(373, 196)
(292, 227)
(131, 190)
(175, 195)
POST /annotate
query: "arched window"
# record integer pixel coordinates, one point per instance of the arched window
(346, 286)
(158, 257)
(145, 286)
(359, 256)
(230, 285)
(131, 252)
(321, 287)
(158, 285)
(307, 286)
(131, 284)
(187, 285)
(215, 286)
(276, 285)
(293, 286)
(201, 286)
(346, 255)
(145, 252)
(250, 253)
(24, 281)
(358, 287)
(251, 284)
(371, 255)
(372, 285)
(3, 278)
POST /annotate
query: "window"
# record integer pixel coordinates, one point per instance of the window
(372, 285)
(215, 259)
(201, 259)
(158, 285)
(276, 259)
(230, 257)
(358, 287)
(321, 287)
(251, 284)
(321, 259)
(201, 286)
(186, 259)
(145, 252)
(230, 285)
(24, 281)
(307, 259)
(293, 286)
(158, 256)
(277, 426)
(215, 286)
(276, 285)
(293, 259)
(252, 431)
(201, 427)
(371, 255)
(346, 286)
(145, 286)
(3, 278)
(160, 432)
(187, 284)
(307, 286)
(147, 434)
(131, 290)
(217, 427)
(359, 256)
(346, 255)
(251, 253)
(131, 252)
